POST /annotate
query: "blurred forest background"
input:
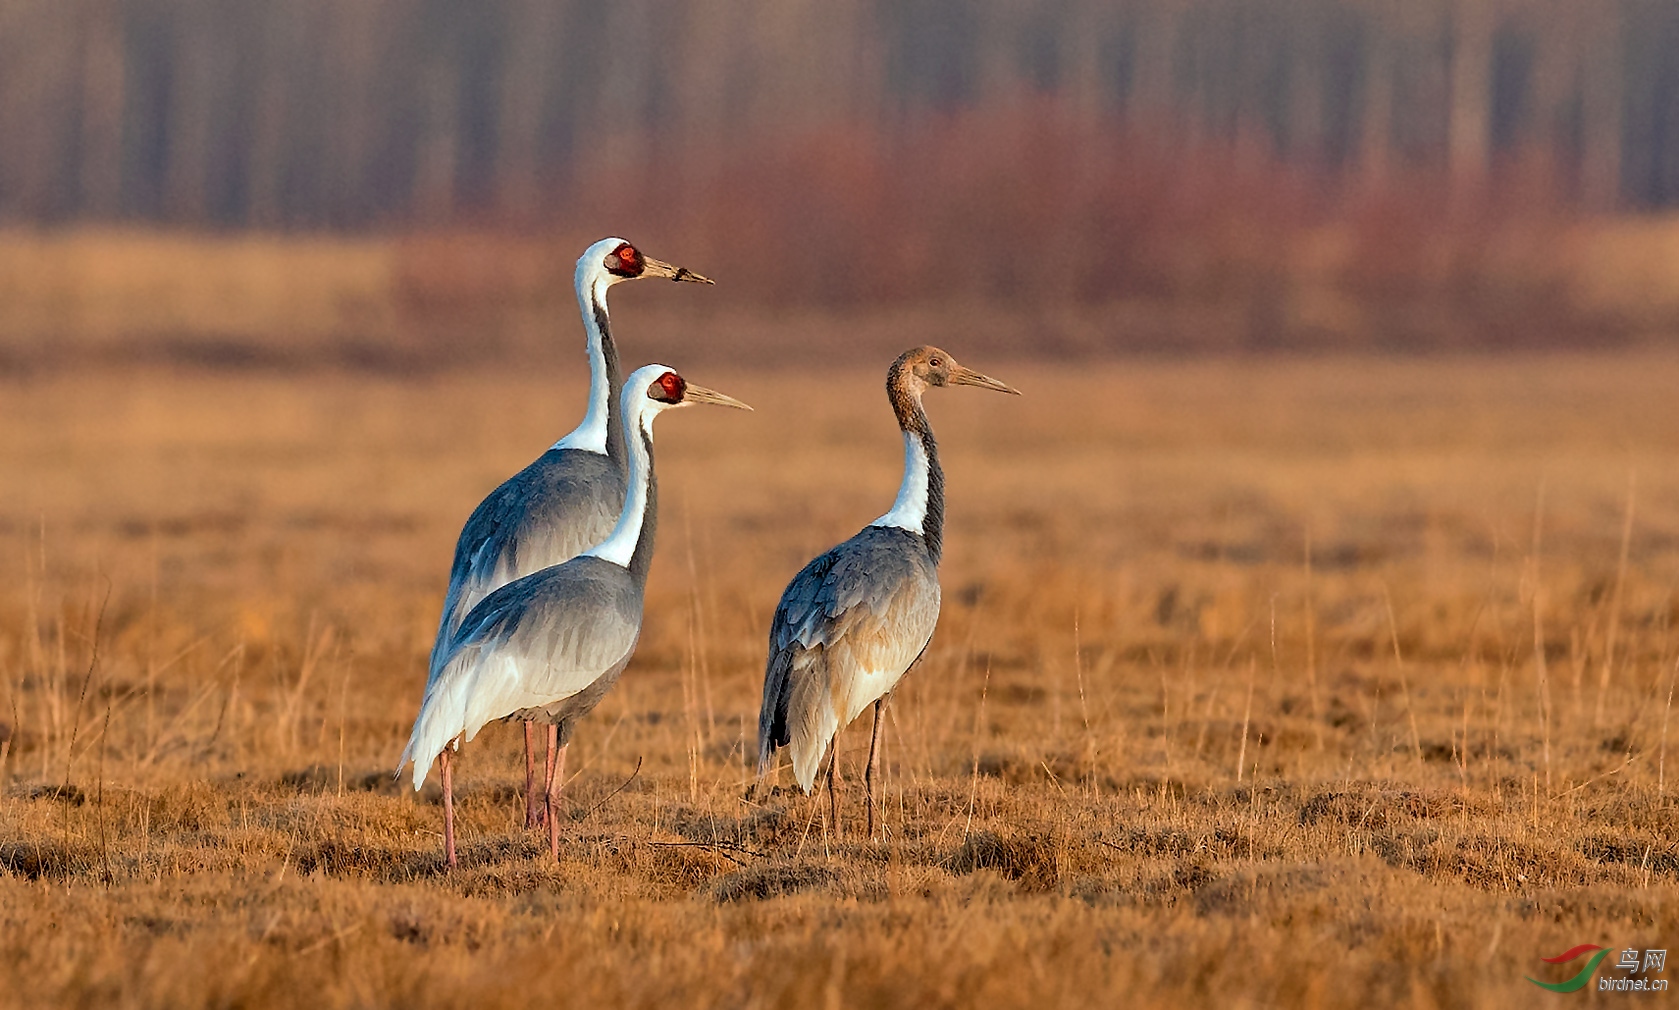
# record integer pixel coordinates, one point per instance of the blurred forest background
(369, 179)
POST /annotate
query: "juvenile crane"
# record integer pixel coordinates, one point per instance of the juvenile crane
(568, 499)
(547, 647)
(856, 618)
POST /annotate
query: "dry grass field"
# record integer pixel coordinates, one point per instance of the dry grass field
(1258, 682)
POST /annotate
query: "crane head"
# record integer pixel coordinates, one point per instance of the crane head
(612, 260)
(929, 366)
(659, 388)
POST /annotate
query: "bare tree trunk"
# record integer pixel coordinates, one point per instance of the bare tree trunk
(1306, 83)
(263, 206)
(1468, 135)
(193, 88)
(1375, 127)
(524, 94)
(102, 97)
(1600, 110)
(1154, 97)
(1081, 81)
(434, 188)
(38, 78)
(352, 132)
(613, 134)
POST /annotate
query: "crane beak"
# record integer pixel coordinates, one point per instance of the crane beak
(960, 376)
(651, 267)
(700, 394)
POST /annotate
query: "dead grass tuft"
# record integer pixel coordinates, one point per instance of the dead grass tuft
(1031, 859)
(772, 880)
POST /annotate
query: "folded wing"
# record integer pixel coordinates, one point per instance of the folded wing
(848, 626)
(561, 505)
(530, 644)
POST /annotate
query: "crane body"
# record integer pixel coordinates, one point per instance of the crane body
(855, 619)
(546, 648)
(568, 499)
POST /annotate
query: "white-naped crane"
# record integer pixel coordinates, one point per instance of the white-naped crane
(547, 647)
(569, 498)
(856, 618)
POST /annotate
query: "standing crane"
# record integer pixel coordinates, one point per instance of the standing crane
(546, 648)
(568, 499)
(856, 618)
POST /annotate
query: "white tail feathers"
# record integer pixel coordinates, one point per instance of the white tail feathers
(812, 724)
(443, 717)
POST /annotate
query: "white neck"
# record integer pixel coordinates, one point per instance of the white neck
(592, 284)
(619, 548)
(909, 512)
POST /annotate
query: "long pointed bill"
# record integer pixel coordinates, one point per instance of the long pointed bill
(651, 267)
(968, 377)
(700, 394)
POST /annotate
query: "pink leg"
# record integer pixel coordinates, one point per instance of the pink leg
(548, 769)
(871, 771)
(533, 809)
(448, 810)
(556, 780)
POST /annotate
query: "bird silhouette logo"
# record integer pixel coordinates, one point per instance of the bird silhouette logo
(1579, 981)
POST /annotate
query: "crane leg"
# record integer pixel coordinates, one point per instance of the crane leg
(556, 779)
(833, 789)
(873, 767)
(533, 806)
(448, 809)
(547, 776)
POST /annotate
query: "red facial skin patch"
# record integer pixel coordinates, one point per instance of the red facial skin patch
(673, 386)
(626, 261)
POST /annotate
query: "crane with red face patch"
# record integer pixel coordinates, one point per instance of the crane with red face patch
(547, 647)
(855, 619)
(568, 499)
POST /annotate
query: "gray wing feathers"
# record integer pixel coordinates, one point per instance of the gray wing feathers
(848, 626)
(529, 644)
(551, 511)
(772, 714)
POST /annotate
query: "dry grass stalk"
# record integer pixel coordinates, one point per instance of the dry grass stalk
(1311, 636)
(1615, 602)
(1667, 713)
(1541, 676)
(1404, 679)
(1247, 713)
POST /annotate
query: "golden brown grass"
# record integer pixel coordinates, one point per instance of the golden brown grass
(98, 290)
(432, 301)
(1153, 758)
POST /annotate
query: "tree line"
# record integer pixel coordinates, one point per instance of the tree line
(352, 113)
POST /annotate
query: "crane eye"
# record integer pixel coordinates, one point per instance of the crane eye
(625, 261)
(669, 387)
